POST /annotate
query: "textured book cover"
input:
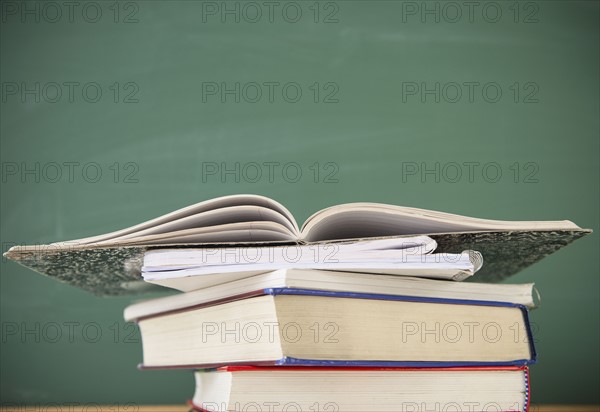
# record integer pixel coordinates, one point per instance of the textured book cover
(117, 270)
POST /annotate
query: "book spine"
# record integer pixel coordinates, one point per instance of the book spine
(527, 390)
(379, 296)
(529, 335)
(288, 361)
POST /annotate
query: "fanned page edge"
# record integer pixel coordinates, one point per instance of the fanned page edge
(195, 209)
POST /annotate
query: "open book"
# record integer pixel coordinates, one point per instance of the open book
(114, 259)
(252, 218)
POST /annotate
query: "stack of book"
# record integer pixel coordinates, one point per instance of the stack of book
(363, 309)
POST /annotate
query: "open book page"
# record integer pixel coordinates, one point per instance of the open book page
(363, 220)
(236, 218)
(215, 221)
(241, 232)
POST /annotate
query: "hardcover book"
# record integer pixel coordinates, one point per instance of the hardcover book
(111, 264)
(323, 328)
(362, 389)
(207, 294)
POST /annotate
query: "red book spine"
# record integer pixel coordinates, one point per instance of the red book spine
(240, 368)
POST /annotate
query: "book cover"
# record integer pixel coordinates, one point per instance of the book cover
(117, 270)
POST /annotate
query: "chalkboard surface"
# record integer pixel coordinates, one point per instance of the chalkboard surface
(114, 113)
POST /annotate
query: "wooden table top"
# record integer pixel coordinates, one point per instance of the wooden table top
(183, 408)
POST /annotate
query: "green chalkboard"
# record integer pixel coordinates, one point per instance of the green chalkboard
(114, 113)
